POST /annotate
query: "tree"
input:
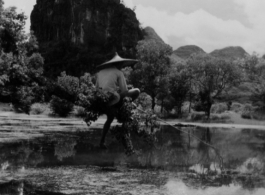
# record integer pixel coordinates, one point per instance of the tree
(21, 66)
(179, 85)
(211, 77)
(153, 67)
(12, 34)
(254, 69)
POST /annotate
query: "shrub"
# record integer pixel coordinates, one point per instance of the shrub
(144, 100)
(38, 108)
(79, 111)
(69, 83)
(225, 116)
(185, 107)
(195, 116)
(60, 106)
(214, 117)
(248, 108)
(258, 115)
(246, 115)
(219, 108)
(237, 107)
(23, 99)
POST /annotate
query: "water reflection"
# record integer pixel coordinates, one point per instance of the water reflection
(179, 188)
(176, 151)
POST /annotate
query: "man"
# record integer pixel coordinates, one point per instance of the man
(110, 78)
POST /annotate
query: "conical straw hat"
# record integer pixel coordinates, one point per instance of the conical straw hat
(117, 60)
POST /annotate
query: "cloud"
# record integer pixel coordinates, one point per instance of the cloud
(197, 28)
(206, 30)
(129, 3)
(255, 11)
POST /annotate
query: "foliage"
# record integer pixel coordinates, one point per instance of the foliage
(237, 107)
(142, 124)
(144, 101)
(210, 77)
(38, 108)
(23, 99)
(70, 90)
(246, 115)
(179, 85)
(219, 108)
(94, 104)
(150, 73)
(60, 106)
(68, 83)
(254, 69)
(79, 111)
(21, 67)
(12, 35)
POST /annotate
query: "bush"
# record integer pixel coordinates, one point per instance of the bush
(79, 111)
(60, 106)
(225, 116)
(144, 100)
(185, 107)
(246, 115)
(219, 108)
(258, 115)
(237, 107)
(195, 116)
(248, 108)
(38, 108)
(23, 99)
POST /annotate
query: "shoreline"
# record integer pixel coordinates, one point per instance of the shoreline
(12, 117)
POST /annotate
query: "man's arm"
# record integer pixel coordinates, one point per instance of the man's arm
(122, 84)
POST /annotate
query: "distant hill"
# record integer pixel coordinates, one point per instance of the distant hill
(184, 52)
(230, 52)
(149, 33)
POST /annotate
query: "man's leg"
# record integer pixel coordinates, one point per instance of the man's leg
(133, 93)
(106, 127)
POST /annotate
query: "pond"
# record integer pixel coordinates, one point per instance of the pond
(60, 157)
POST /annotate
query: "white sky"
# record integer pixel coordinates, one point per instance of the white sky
(209, 24)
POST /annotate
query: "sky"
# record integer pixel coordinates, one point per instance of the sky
(209, 24)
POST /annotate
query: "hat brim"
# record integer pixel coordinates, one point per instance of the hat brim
(123, 63)
(117, 61)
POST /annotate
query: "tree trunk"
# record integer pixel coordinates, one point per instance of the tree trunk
(153, 103)
(162, 106)
(208, 111)
(179, 109)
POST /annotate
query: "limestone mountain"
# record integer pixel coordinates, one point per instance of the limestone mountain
(184, 52)
(149, 33)
(230, 52)
(76, 35)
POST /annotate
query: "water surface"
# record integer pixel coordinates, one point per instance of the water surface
(55, 157)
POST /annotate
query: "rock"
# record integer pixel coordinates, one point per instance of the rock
(77, 35)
